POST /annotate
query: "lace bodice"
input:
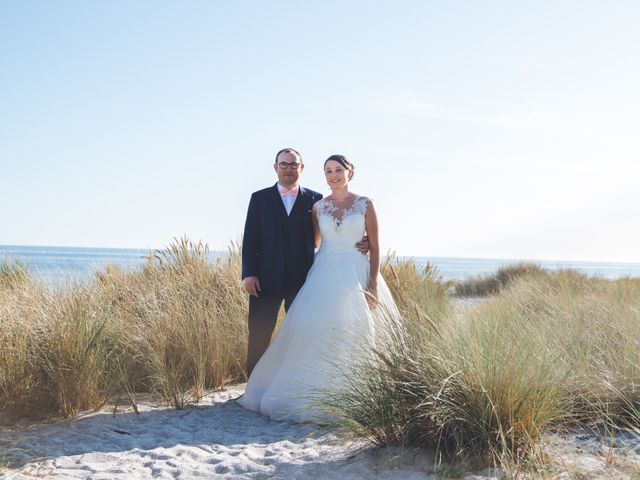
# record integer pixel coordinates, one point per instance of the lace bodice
(341, 228)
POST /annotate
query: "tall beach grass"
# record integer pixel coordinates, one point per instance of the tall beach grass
(545, 350)
(174, 328)
(490, 284)
(551, 350)
(417, 290)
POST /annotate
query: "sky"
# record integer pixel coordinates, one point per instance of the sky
(489, 129)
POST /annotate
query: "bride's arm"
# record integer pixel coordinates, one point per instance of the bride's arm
(371, 225)
(316, 227)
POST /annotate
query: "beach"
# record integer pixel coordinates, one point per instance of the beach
(219, 438)
(186, 183)
(216, 437)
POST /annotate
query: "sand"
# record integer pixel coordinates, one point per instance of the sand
(219, 438)
(216, 437)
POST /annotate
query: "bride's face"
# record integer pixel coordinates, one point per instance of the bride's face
(337, 176)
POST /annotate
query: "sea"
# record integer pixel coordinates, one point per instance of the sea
(53, 264)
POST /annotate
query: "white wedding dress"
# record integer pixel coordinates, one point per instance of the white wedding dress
(327, 325)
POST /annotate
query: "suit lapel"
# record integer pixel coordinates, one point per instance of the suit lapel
(299, 203)
(277, 200)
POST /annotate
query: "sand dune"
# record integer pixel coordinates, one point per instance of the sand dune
(220, 438)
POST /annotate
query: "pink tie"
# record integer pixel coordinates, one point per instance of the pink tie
(289, 193)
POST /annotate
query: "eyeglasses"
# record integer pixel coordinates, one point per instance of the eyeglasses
(285, 165)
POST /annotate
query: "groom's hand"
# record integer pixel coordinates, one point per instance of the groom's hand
(252, 285)
(363, 245)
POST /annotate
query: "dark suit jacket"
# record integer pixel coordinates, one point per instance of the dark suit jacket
(263, 252)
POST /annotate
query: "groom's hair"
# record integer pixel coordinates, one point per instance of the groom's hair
(289, 150)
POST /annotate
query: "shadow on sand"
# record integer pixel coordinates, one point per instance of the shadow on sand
(207, 429)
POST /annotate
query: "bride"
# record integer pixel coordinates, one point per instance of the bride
(338, 311)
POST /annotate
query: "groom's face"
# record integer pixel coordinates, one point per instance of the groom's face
(288, 175)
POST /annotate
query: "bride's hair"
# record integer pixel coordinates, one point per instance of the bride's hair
(342, 160)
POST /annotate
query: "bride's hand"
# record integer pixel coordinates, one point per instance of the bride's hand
(371, 294)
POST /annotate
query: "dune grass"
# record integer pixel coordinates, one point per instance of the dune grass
(13, 274)
(545, 350)
(417, 290)
(185, 322)
(174, 328)
(484, 285)
(554, 350)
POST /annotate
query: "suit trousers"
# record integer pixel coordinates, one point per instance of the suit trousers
(263, 316)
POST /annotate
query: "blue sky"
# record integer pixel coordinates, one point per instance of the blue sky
(480, 129)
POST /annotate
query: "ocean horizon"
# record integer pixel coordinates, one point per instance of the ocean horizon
(55, 263)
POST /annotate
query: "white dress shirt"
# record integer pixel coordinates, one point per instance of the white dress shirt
(287, 200)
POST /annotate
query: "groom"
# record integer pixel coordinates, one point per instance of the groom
(277, 249)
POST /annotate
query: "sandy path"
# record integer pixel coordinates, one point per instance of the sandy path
(216, 437)
(220, 438)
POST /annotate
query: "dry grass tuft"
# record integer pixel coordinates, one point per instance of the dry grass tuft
(175, 328)
(545, 349)
(554, 349)
(418, 291)
(13, 275)
(485, 285)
